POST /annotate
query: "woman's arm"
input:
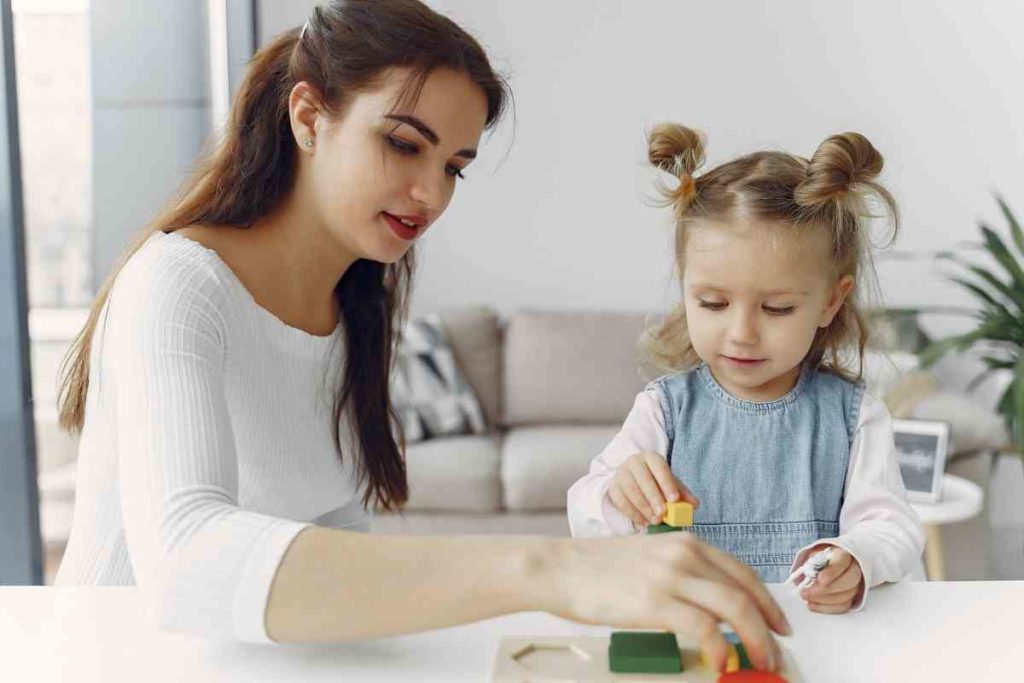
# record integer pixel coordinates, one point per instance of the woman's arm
(214, 568)
(338, 585)
(204, 563)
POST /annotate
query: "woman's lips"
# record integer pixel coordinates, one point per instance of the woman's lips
(403, 231)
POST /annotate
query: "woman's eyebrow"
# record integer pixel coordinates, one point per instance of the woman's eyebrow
(427, 132)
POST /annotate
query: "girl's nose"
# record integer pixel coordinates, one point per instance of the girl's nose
(743, 328)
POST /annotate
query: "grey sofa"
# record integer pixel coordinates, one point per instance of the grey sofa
(554, 387)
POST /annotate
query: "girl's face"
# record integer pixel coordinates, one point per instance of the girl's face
(379, 178)
(755, 295)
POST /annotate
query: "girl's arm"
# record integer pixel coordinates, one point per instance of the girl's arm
(876, 525)
(590, 512)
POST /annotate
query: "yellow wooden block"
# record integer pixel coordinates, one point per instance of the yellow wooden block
(731, 664)
(679, 514)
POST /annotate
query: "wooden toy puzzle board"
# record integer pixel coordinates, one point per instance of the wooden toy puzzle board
(584, 659)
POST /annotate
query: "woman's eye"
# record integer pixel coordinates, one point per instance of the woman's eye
(779, 311)
(454, 171)
(712, 305)
(401, 145)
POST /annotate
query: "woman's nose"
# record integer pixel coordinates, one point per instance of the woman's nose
(430, 190)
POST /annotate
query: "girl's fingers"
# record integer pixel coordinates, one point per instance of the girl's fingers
(837, 566)
(839, 598)
(638, 499)
(829, 609)
(749, 581)
(645, 480)
(738, 609)
(622, 504)
(671, 489)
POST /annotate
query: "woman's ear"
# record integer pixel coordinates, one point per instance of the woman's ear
(837, 295)
(304, 110)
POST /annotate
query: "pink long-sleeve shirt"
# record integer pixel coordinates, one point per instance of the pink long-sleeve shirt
(876, 524)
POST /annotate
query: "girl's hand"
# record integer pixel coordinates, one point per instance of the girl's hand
(642, 485)
(672, 582)
(837, 586)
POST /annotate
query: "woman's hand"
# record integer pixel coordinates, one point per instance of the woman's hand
(673, 582)
(837, 586)
(642, 485)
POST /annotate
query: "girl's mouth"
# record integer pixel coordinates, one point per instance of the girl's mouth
(744, 362)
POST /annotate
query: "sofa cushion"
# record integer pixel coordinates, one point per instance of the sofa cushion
(454, 473)
(539, 464)
(430, 395)
(571, 367)
(475, 338)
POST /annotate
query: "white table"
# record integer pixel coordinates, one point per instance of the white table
(927, 631)
(961, 499)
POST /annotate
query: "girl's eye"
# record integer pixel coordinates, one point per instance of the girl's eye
(401, 145)
(779, 311)
(454, 171)
(712, 305)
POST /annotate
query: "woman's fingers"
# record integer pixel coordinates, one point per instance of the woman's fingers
(696, 623)
(738, 609)
(748, 579)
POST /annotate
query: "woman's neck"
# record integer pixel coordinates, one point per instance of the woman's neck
(301, 263)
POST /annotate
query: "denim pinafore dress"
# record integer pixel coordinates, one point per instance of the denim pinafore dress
(770, 476)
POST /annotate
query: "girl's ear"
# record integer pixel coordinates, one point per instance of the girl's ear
(836, 297)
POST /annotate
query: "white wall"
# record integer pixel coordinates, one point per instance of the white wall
(558, 218)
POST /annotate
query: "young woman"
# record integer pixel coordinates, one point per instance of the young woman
(231, 385)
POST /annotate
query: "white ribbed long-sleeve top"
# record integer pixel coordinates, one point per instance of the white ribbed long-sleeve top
(207, 444)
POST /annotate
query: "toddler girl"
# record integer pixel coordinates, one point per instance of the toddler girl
(765, 426)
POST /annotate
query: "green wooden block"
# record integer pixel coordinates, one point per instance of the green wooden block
(648, 653)
(663, 528)
(745, 662)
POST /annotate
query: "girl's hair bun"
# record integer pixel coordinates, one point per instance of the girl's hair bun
(838, 166)
(677, 150)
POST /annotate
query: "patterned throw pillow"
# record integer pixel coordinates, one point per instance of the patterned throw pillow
(429, 393)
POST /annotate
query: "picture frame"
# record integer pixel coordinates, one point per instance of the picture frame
(922, 447)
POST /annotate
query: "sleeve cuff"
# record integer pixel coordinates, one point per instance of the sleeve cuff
(610, 516)
(253, 591)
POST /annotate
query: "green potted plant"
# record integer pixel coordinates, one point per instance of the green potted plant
(999, 329)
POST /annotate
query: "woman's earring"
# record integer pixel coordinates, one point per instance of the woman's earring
(308, 142)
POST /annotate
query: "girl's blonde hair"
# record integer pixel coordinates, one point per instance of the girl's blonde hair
(831, 191)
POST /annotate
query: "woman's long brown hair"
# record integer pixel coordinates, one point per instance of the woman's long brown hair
(344, 47)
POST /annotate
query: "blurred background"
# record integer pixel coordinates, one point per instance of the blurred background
(111, 103)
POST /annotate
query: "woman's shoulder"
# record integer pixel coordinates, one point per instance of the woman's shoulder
(173, 273)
